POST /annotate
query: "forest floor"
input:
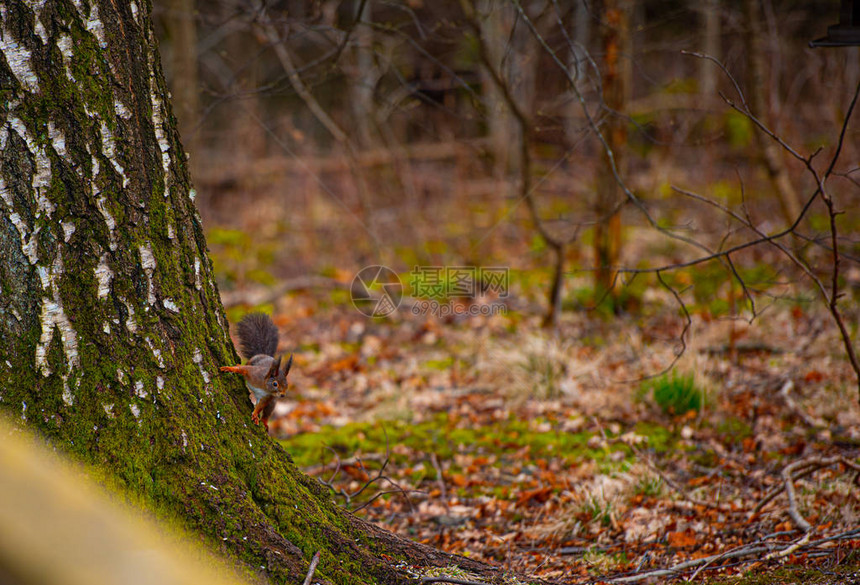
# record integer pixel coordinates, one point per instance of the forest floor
(627, 445)
(570, 455)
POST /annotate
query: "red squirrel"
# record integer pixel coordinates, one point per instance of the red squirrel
(258, 341)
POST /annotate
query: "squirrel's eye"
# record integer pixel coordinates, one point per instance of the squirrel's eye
(275, 383)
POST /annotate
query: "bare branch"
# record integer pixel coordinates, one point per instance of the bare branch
(358, 13)
(688, 320)
(271, 34)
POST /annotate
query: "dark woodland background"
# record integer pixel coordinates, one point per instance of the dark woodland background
(413, 159)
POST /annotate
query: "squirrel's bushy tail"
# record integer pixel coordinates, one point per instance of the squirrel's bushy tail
(257, 335)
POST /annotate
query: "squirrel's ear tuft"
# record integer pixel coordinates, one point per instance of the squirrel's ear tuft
(288, 366)
(273, 370)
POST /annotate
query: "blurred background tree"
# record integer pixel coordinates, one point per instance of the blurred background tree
(344, 133)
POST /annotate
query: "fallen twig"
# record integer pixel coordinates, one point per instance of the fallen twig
(379, 476)
(773, 550)
(809, 420)
(801, 471)
(451, 580)
(798, 519)
(681, 567)
(791, 473)
(790, 549)
(314, 562)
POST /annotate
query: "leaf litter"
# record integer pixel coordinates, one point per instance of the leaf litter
(545, 453)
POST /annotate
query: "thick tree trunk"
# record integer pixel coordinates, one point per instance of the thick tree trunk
(111, 329)
(616, 87)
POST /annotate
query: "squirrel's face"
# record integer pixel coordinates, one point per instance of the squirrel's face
(277, 385)
(276, 380)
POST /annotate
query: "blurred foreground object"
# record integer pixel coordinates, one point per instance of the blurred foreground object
(56, 526)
